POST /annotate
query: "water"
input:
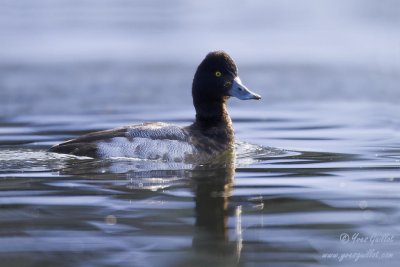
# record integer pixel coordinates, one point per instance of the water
(306, 178)
(315, 179)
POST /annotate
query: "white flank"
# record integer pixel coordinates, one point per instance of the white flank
(145, 148)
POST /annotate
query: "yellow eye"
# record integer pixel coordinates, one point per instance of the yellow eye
(218, 74)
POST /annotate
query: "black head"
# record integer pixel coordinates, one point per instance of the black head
(216, 79)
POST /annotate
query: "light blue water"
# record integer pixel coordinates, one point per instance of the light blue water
(326, 171)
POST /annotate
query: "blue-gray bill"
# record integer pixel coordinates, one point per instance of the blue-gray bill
(240, 91)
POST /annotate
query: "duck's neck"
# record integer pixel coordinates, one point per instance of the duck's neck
(211, 114)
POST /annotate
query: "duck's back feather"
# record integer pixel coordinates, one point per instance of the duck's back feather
(147, 141)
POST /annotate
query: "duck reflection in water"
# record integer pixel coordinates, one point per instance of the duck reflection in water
(214, 241)
(213, 187)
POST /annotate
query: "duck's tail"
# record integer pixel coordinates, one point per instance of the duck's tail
(77, 149)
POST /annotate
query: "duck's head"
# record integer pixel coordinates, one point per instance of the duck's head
(216, 79)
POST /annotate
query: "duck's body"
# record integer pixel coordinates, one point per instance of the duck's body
(154, 141)
(148, 141)
(210, 135)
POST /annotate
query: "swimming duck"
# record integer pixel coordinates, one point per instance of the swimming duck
(216, 79)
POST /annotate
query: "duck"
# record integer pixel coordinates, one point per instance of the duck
(210, 135)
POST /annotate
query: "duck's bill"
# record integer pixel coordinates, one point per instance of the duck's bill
(240, 91)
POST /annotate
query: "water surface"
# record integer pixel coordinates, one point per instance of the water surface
(312, 185)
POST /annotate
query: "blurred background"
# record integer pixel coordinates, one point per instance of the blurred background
(71, 56)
